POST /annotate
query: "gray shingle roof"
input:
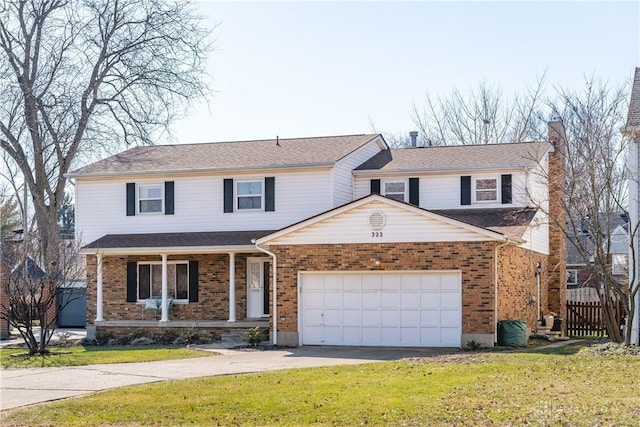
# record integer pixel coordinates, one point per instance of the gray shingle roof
(259, 154)
(458, 157)
(633, 118)
(174, 240)
(508, 221)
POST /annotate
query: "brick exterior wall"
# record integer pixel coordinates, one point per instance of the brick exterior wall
(517, 284)
(556, 266)
(474, 259)
(213, 288)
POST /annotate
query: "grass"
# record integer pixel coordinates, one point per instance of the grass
(564, 386)
(91, 355)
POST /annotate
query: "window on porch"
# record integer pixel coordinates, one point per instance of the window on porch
(150, 280)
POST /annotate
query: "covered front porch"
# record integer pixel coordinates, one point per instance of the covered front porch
(213, 281)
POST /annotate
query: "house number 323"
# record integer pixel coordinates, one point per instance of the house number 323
(376, 234)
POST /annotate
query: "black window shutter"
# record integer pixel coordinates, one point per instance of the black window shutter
(270, 194)
(265, 296)
(228, 195)
(506, 188)
(193, 281)
(168, 198)
(132, 281)
(465, 190)
(414, 191)
(131, 198)
(375, 186)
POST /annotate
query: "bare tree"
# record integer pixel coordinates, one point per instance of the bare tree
(482, 116)
(78, 77)
(595, 187)
(35, 296)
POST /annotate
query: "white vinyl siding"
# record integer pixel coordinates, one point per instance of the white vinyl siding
(101, 205)
(400, 225)
(342, 177)
(537, 234)
(442, 191)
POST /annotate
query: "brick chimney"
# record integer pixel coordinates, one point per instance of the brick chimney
(556, 263)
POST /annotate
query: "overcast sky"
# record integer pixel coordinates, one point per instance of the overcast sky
(310, 69)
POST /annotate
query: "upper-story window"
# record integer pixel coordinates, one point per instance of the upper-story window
(150, 198)
(249, 195)
(486, 189)
(395, 190)
(619, 263)
(572, 277)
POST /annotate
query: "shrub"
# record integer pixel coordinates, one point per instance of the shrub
(254, 336)
(141, 341)
(474, 345)
(196, 336)
(103, 337)
(167, 336)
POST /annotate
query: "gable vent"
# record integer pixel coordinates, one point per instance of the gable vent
(376, 220)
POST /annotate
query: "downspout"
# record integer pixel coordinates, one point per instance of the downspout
(495, 288)
(275, 291)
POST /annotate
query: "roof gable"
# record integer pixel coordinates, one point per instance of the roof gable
(240, 155)
(378, 219)
(633, 117)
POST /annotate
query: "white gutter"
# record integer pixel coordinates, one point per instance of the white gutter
(275, 291)
(495, 288)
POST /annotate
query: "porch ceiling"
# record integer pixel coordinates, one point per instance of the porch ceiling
(191, 242)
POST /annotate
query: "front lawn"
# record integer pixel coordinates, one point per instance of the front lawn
(92, 355)
(566, 386)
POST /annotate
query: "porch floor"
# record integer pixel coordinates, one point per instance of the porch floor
(247, 323)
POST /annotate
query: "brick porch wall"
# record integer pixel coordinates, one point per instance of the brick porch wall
(474, 259)
(213, 288)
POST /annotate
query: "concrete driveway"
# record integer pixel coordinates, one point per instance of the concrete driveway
(22, 387)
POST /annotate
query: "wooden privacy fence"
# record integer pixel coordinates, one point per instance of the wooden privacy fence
(586, 318)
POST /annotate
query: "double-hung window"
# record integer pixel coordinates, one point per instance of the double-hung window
(619, 263)
(395, 190)
(249, 195)
(150, 198)
(150, 280)
(486, 189)
(572, 277)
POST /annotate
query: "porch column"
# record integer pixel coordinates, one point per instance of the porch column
(232, 287)
(99, 289)
(165, 298)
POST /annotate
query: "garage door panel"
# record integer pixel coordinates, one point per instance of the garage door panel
(450, 300)
(430, 299)
(410, 299)
(390, 318)
(351, 318)
(352, 283)
(389, 336)
(410, 282)
(409, 336)
(381, 309)
(371, 318)
(390, 300)
(410, 318)
(370, 300)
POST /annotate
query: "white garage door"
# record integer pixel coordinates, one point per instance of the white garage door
(381, 309)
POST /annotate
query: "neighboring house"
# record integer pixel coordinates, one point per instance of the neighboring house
(632, 133)
(581, 286)
(331, 240)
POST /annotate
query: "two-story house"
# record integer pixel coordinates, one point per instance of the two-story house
(331, 240)
(632, 133)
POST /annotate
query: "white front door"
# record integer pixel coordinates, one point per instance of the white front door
(257, 287)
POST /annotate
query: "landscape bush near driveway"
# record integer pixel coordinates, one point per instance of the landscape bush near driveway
(570, 386)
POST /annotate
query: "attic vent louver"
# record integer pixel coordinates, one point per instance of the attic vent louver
(377, 220)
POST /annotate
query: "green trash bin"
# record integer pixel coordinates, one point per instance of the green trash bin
(512, 333)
